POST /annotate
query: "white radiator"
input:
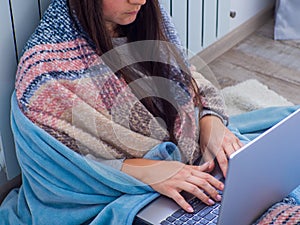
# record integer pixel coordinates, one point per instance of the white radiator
(199, 22)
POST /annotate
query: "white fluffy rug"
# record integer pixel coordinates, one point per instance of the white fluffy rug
(250, 95)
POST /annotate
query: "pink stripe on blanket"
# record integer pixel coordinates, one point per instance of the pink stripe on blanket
(28, 59)
(53, 47)
(43, 56)
(48, 67)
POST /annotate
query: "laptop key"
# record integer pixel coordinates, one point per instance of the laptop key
(216, 211)
(205, 211)
(197, 204)
(199, 207)
(215, 220)
(178, 222)
(194, 202)
(184, 218)
(178, 213)
(210, 216)
(165, 223)
(170, 219)
(189, 215)
(196, 217)
(203, 214)
(204, 221)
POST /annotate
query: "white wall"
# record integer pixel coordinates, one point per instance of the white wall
(14, 33)
(247, 9)
(8, 64)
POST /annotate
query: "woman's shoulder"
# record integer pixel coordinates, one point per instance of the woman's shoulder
(56, 26)
(55, 51)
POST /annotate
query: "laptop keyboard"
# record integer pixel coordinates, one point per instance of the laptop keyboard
(203, 214)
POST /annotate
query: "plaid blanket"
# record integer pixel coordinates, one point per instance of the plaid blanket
(64, 87)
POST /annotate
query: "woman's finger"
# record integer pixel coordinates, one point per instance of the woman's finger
(236, 146)
(205, 167)
(229, 149)
(209, 178)
(240, 144)
(208, 158)
(179, 199)
(198, 191)
(223, 162)
(208, 184)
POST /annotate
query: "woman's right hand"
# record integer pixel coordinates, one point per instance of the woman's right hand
(170, 178)
(193, 179)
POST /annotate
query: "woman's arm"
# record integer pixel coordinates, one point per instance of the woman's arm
(216, 140)
(169, 178)
(211, 99)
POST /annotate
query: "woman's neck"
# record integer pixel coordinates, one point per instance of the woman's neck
(112, 29)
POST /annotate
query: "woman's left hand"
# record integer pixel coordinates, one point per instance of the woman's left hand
(217, 141)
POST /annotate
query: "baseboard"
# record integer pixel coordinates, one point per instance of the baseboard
(3, 178)
(234, 37)
(11, 184)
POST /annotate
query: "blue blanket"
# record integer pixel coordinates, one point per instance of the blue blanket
(62, 187)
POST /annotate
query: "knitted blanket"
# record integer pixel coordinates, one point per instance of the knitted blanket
(63, 187)
(64, 87)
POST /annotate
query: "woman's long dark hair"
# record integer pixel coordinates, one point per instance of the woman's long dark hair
(147, 26)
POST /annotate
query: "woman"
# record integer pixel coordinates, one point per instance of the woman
(136, 21)
(86, 79)
(144, 22)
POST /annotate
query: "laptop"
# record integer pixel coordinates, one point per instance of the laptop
(260, 174)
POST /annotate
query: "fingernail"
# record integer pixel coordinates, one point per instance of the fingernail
(206, 164)
(219, 198)
(190, 209)
(222, 186)
(211, 202)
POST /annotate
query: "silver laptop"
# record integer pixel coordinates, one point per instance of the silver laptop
(260, 174)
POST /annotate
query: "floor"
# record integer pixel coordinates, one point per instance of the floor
(274, 63)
